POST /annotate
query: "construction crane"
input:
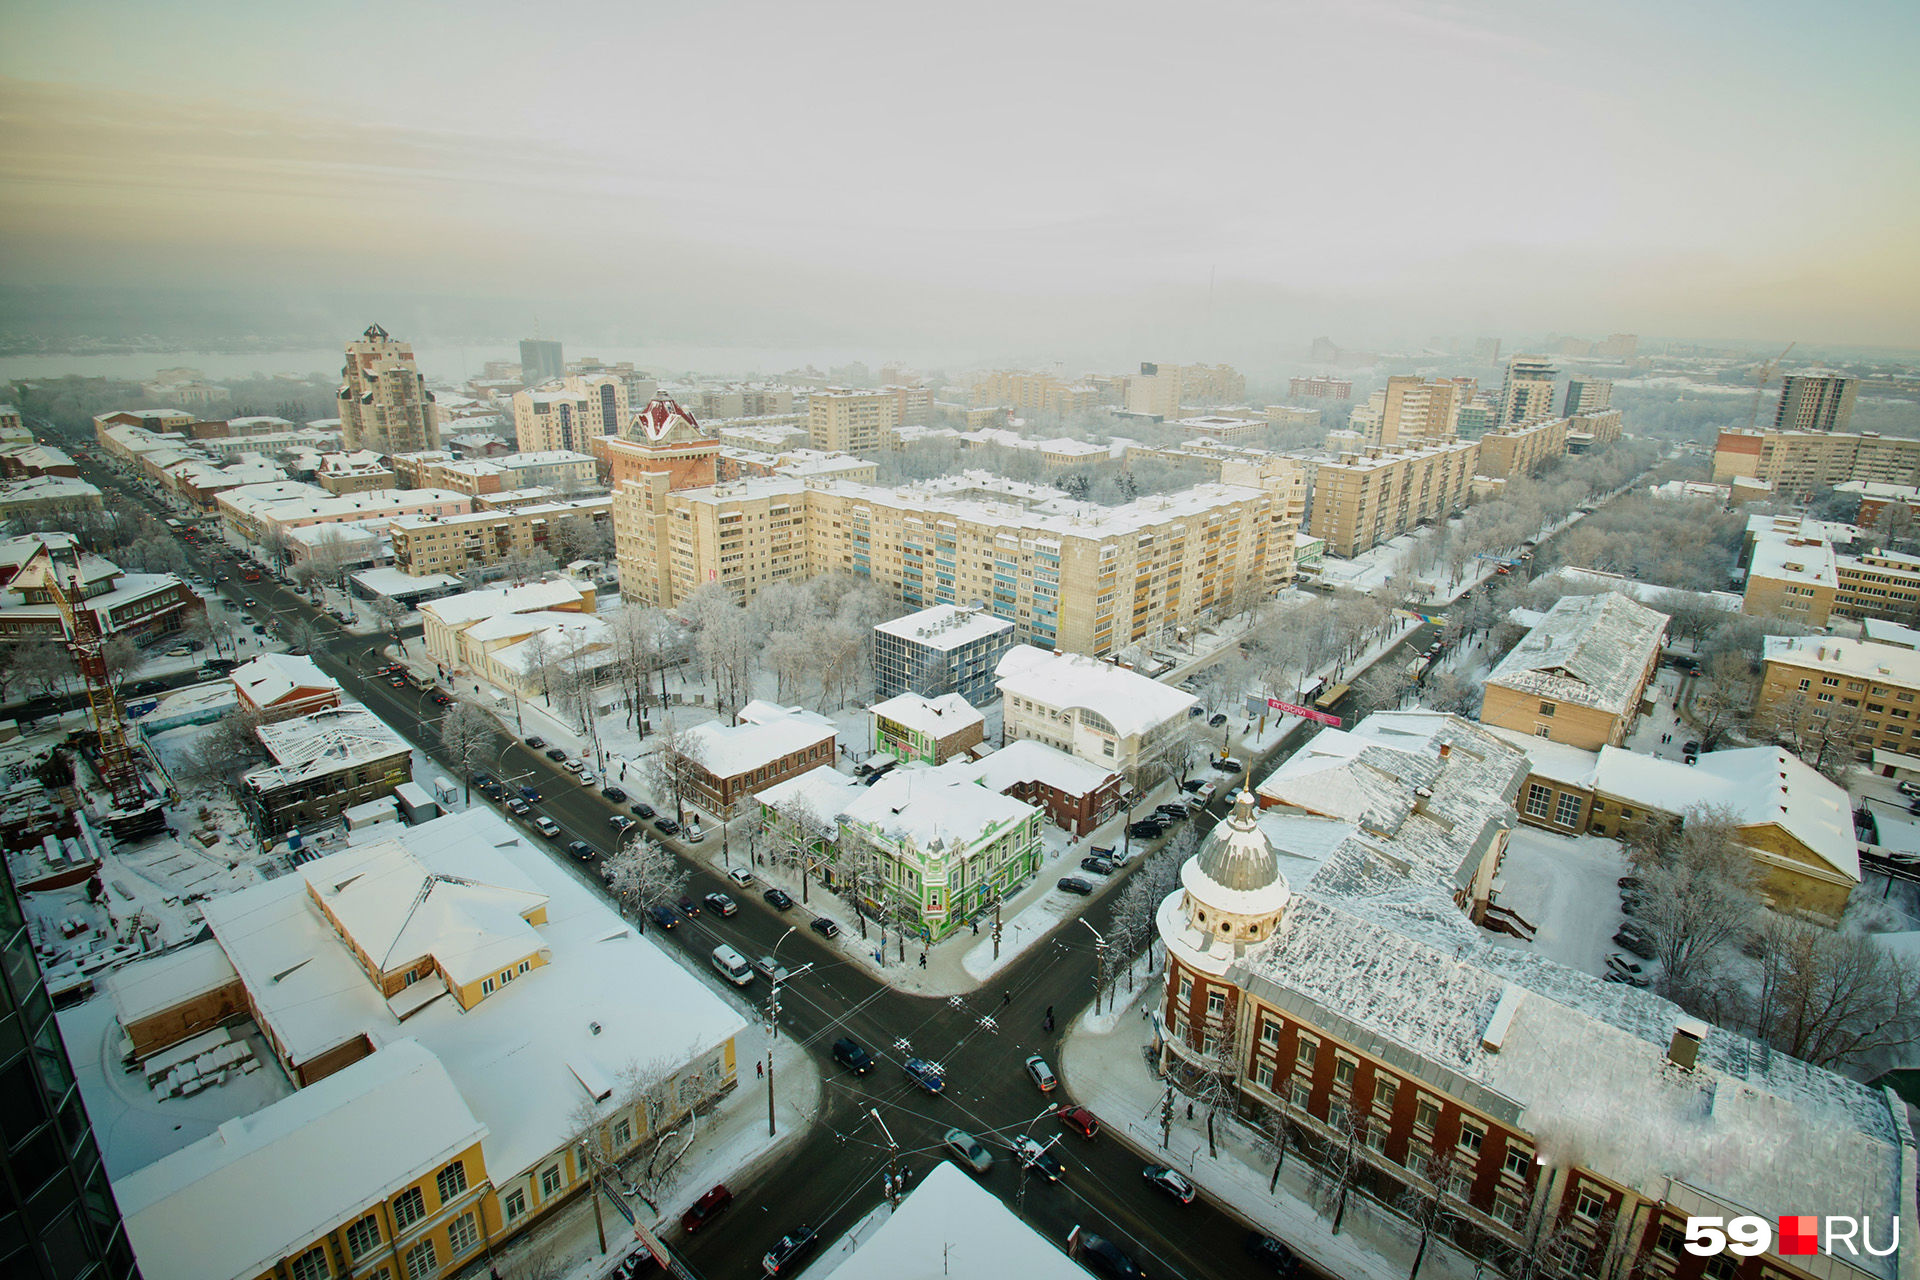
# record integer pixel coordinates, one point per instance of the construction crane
(1762, 375)
(84, 641)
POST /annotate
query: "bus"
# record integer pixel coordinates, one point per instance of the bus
(1328, 700)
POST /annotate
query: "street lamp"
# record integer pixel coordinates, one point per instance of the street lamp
(1099, 961)
(893, 1158)
(773, 1015)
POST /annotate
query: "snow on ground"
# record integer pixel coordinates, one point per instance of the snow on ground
(1567, 888)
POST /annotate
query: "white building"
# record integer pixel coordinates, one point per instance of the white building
(1098, 711)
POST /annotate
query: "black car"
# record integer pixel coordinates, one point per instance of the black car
(643, 811)
(778, 899)
(536, 743)
(789, 1251)
(580, 849)
(665, 917)
(1633, 936)
(824, 927)
(1145, 830)
(614, 794)
(688, 907)
(723, 903)
(1173, 809)
(1099, 866)
(1265, 1249)
(149, 686)
(666, 826)
(850, 1055)
(1217, 719)
(555, 753)
(1075, 885)
(1102, 1256)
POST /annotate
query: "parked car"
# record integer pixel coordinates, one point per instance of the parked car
(723, 904)
(778, 899)
(1227, 764)
(1145, 830)
(789, 1251)
(695, 832)
(1909, 789)
(1634, 937)
(1101, 1256)
(706, 1209)
(968, 1150)
(1200, 789)
(1099, 866)
(536, 742)
(666, 826)
(178, 651)
(1195, 710)
(1217, 719)
(664, 916)
(1074, 885)
(572, 766)
(1080, 1120)
(614, 794)
(1037, 1157)
(1040, 1073)
(1171, 1181)
(546, 826)
(581, 850)
(620, 822)
(1274, 1254)
(517, 807)
(642, 810)
(588, 778)
(924, 1074)
(848, 1053)
(1173, 809)
(740, 876)
(824, 927)
(555, 753)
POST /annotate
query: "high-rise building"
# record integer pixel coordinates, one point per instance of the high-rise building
(1415, 409)
(1587, 395)
(1617, 346)
(1527, 393)
(1162, 389)
(1815, 402)
(1366, 499)
(570, 412)
(59, 1220)
(1320, 387)
(541, 361)
(840, 420)
(384, 404)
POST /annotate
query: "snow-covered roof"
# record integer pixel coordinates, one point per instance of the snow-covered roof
(936, 717)
(945, 626)
(1793, 559)
(1761, 525)
(1880, 631)
(322, 743)
(950, 1225)
(1030, 760)
(765, 733)
(45, 489)
(1129, 701)
(605, 1000)
(1557, 761)
(399, 584)
(822, 793)
(273, 676)
(1861, 658)
(1588, 651)
(1646, 593)
(921, 806)
(471, 606)
(278, 1179)
(145, 987)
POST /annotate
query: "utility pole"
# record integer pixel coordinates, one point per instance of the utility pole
(1099, 962)
(893, 1158)
(593, 1190)
(996, 924)
(1166, 1116)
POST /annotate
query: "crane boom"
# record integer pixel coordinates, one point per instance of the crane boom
(1762, 375)
(85, 642)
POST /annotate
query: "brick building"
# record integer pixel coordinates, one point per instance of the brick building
(766, 745)
(1578, 676)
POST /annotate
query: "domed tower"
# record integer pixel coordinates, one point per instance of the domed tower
(1232, 897)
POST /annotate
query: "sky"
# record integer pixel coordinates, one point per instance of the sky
(1016, 173)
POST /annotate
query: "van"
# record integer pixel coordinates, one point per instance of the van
(732, 965)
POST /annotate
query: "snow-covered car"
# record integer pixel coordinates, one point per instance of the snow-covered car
(1171, 1181)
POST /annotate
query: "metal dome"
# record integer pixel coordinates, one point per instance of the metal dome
(1236, 855)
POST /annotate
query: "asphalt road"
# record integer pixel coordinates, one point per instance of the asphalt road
(833, 1176)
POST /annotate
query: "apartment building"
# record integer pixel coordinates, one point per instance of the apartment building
(1595, 427)
(1815, 402)
(640, 386)
(913, 405)
(669, 453)
(1586, 395)
(1068, 574)
(1320, 387)
(1351, 997)
(1580, 674)
(1799, 464)
(1796, 570)
(740, 402)
(121, 603)
(1416, 410)
(1522, 450)
(541, 360)
(482, 540)
(384, 404)
(1102, 713)
(1286, 415)
(419, 470)
(261, 512)
(1862, 690)
(569, 413)
(1164, 390)
(840, 420)
(1363, 500)
(354, 472)
(940, 650)
(1527, 393)
(1027, 392)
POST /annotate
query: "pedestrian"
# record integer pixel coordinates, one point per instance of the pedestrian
(1006, 998)
(1189, 1110)
(759, 1070)
(976, 927)
(1049, 1013)
(923, 959)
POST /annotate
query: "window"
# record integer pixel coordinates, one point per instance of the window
(1186, 990)
(1471, 1136)
(1426, 1114)
(1299, 1094)
(550, 1180)
(622, 1132)
(1668, 1244)
(1305, 1054)
(422, 1261)
(462, 1235)
(486, 987)
(515, 1202)
(1546, 708)
(1599, 806)
(1216, 1003)
(1542, 731)
(363, 1235)
(1805, 685)
(1343, 1069)
(311, 1265)
(1539, 800)
(1338, 1114)
(1566, 811)
(1385, 1090)
(1589, 1204)
(1263, 1075)
(1517, 1160)
(408, 1208)
(1270, 1032)
(1509, 1212)
(451, 1180)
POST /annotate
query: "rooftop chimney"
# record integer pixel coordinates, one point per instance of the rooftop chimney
(1684, 1049)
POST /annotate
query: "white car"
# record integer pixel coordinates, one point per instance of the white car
(576, 766)
(588, 778)
(694, 833)
(740, 876)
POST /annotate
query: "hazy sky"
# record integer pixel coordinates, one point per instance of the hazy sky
(1378, 169)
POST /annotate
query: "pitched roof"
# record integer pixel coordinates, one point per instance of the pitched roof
(273, 676)
(1587, 650)
(1130, 702)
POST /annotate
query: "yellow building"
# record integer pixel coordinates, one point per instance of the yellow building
(1864, 690)
(1522, 450)
(1799, 463)
(1164, 390)
(1027, 392)
(844, 421)
(570, 412)
(1421, 410)
(1364, 500)
(1579, 675)
(383, 402)
(483, 539)
(1527, 393)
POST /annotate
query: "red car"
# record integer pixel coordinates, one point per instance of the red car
(706, 1208)
(1080, 1120)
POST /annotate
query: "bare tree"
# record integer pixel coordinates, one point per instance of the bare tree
(121, 657)
(672, 766)
(1218, 1087)
(1342, 1161)
(1835, 998)
(644, 873)
(1432, 1208)
(228, 746)
(1697, 898)
(1724, 705)
(44, 665)
(467, 733)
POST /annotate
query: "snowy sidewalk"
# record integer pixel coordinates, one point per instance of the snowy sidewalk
(1107, 1071)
